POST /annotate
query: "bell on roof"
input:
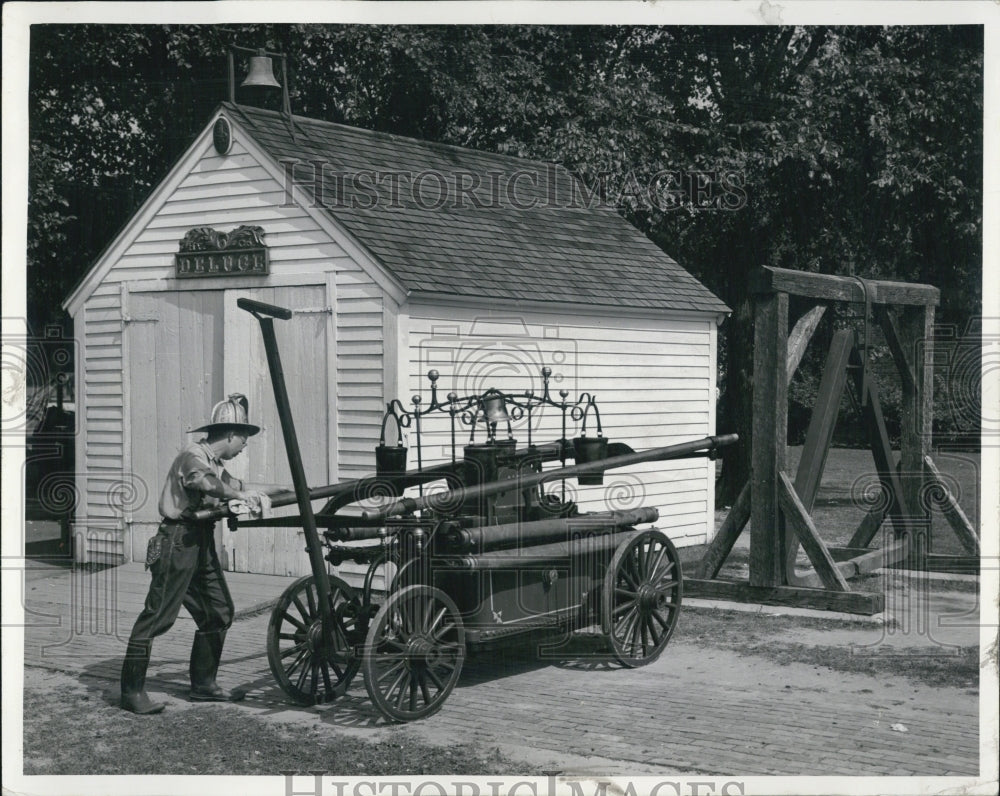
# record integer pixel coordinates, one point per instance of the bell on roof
(261, 72)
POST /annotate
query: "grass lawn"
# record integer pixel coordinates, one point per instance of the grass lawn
(849, 486)
(849, 476)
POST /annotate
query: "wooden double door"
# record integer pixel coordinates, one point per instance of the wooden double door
(186, 350)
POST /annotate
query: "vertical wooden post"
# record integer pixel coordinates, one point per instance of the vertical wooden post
(917, 413)
(770, 430)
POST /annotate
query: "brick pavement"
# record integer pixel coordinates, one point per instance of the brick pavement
(695, 710)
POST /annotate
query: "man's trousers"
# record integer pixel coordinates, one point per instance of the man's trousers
(186, 571)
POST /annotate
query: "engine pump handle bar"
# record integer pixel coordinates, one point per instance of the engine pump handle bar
(260, 308)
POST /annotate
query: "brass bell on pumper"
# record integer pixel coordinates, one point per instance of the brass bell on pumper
(495, 407)
(261, 72)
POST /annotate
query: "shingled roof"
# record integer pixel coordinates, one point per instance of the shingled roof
(448, 220)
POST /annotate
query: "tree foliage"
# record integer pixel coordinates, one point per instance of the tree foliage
(856, 150)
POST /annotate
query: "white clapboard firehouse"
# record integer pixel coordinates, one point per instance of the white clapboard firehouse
(398, 256)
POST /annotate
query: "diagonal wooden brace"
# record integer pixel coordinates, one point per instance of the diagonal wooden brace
(878, 437)
(798, 519)
(953, 512)
(732, 527)
(799, 337)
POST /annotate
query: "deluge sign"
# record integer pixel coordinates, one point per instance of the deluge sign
(204, 251)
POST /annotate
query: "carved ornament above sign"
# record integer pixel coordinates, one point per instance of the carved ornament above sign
(204, 251)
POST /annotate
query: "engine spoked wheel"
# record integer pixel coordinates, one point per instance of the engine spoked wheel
(310, 670)
(641, 598)
(414, 653)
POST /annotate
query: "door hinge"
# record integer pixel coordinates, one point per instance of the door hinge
(313, 310)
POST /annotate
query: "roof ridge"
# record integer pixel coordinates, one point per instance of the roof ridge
(424, 142)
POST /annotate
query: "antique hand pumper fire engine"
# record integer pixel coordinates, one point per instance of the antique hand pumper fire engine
(480, 553)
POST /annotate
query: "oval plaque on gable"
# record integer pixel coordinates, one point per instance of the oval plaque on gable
(222, 135)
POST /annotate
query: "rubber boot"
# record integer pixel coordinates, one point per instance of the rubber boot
(206, 652)
(134, 697)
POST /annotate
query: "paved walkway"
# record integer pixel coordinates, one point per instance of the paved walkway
(696, 710)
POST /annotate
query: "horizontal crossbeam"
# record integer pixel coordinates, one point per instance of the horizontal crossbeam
(842, 288)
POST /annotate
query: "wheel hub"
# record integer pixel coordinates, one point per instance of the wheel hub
(648, 597)
(314, 635)
(421, 649)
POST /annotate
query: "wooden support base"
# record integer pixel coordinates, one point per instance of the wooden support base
(779, 510)
(820, 599)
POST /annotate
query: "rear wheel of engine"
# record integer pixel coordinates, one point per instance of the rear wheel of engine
(641, 598)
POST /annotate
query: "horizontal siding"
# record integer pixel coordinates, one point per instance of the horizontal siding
(226, 217)
(287, 261)
(100, 301)
(95, 330)
(172, 231)
(109, 412)
(102, 384)
(225, 187)
(285, 246)
(269, 196)
(365, 403)
(148, 255)
(97, 401)
(652, 381)
(360, 371)
(214, 169)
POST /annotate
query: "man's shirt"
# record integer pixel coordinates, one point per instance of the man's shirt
(181, 490)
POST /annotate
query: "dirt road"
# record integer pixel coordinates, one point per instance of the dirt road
(754, 698)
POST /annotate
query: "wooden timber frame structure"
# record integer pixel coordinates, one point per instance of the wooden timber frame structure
(779, 508)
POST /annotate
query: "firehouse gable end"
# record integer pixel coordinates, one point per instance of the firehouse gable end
(388, 281)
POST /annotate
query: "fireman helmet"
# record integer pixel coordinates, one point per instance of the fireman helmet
(230, 413)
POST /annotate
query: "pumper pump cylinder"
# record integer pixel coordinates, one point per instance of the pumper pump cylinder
(441, 500)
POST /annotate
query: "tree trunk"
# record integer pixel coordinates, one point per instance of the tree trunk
(735, 410)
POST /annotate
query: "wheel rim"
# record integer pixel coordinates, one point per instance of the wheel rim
(414, 653)
(641, 598)
(308, 670)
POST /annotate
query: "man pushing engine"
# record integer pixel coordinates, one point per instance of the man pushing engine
(184, 562)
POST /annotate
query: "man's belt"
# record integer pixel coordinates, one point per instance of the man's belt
(188, 522)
